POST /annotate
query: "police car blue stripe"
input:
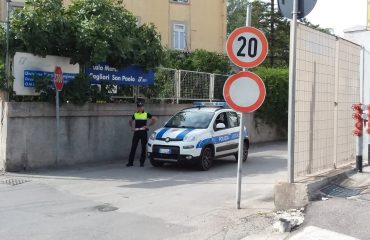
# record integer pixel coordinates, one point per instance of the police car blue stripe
(184, 133)
(219, 139)
(161, 133)
(204, 142)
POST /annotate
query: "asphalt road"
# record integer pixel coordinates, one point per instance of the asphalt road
(115, 202)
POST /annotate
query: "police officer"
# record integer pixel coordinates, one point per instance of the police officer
(140, 132)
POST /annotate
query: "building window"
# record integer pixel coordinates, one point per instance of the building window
(180, 1)
(179, 36)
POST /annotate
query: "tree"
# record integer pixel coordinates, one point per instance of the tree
(199, 60)
(267, 19)
(88, 31)
(42, 28)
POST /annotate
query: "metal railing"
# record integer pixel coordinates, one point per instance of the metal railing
(178, 85)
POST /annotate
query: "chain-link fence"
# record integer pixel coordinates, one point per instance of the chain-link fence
(327, 85)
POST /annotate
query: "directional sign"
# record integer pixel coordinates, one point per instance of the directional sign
(244, 92)
(58, 78)
(247, 47)
(304, 7)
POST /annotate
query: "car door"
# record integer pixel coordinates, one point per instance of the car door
(234, 129)
(221, 137)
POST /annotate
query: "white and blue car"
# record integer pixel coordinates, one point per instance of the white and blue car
(197, 135)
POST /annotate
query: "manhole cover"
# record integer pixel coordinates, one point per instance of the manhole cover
(14, 181)
(338, 191)
(106, 208)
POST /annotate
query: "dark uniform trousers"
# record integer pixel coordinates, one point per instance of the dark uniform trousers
(141, 135)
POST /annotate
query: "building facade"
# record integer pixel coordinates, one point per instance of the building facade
(12, 5)
(183, 24)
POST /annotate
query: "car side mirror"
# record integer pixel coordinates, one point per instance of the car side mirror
(220, 126)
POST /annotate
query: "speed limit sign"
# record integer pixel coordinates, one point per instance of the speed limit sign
(247, 47)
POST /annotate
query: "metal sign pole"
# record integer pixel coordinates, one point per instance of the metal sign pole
(240, 161)
(292, 82)
(360, 139)
(58, 124)
(248, 23)
(7, 55)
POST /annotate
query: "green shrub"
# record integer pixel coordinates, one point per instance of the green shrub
(199, 60)
(45, 87)
(275, 108)
(78, 90)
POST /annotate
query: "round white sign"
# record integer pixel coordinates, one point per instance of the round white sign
(244, 92)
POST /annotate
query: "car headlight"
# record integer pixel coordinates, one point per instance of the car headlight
(152, 137)
(189, 138)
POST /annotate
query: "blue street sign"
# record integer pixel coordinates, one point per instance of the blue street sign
(133, 75)
(29, 74)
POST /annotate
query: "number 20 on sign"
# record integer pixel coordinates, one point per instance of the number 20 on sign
(247, 47)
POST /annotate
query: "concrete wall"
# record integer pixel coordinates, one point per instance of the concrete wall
(3, 134)
(91, 133)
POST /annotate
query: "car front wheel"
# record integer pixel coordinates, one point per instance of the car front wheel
(206, 159)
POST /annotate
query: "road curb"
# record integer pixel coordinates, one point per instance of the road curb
(300, 193)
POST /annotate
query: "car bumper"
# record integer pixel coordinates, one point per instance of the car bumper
(171, 158)
(176, 152)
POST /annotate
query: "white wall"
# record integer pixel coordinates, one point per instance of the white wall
(362, 37)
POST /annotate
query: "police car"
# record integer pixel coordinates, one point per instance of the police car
(197, 135)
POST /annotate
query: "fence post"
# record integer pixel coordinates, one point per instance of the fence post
(336, 100)
(178, 85)
(136, 94)
(212, 87)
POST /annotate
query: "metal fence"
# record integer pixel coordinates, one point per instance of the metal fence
(178, 85)
(327, 84)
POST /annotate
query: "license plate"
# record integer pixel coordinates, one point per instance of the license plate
(165, 151)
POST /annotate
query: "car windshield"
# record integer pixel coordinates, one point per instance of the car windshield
(188, 119)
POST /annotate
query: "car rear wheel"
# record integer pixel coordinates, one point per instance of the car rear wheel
(206, 159)
(156, 163)
(245, 152)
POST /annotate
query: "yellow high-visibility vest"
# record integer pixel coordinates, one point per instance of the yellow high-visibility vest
(141, 116)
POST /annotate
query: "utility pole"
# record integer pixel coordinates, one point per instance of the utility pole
(7, 57)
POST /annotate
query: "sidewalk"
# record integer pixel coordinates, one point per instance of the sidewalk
(340, 218)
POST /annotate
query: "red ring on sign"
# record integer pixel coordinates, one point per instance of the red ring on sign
(260, 99)
(235, 59)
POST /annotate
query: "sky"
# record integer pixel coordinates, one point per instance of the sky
(339, 14)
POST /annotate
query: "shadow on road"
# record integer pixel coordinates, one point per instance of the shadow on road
(264, 159)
